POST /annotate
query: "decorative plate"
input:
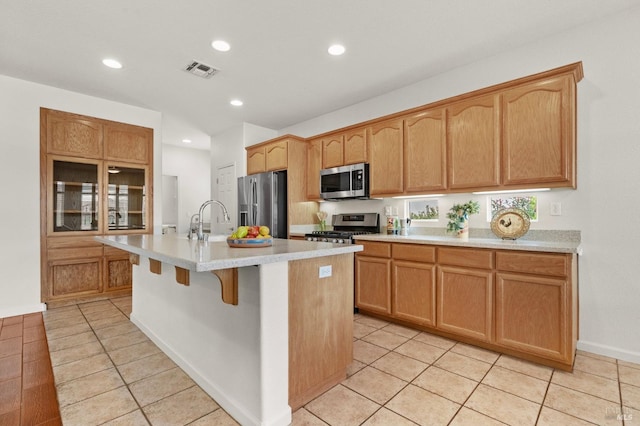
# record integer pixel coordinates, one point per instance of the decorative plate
(510, 224)
(249, 242)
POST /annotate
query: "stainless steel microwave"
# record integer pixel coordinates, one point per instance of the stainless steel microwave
(345, 182)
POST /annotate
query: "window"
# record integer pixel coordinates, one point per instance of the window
(528, 203)
(423, 209)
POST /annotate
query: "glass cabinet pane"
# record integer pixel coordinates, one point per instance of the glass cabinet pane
(126, 198)
(75, 196)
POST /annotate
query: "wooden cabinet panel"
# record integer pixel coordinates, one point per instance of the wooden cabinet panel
(467, 257)
(539, 133)
(320, 326)
(71, 134)
(385, 142)
(276, 156)
(314, 165)
(256, 160)
(118, 273)
(355, 146)
(532, 315)
(373, 284)
(332, 151)
(374, 248)
(534, 263)
(74, 277)
(465, 302)
(414, 292)
(415, 252)
(473, 143)
(425, 160)
(128, 143)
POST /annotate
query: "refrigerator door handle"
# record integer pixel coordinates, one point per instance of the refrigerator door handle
(254, 201)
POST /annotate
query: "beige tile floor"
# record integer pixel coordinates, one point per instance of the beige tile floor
(108, 372)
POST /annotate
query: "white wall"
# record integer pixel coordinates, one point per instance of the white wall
(20, 103)
(192, 168)
(227, 148)
(606, 201)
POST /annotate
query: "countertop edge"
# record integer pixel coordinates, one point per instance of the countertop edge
(524, 245)
(253, 255)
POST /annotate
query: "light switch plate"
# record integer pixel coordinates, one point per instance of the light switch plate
(325, 271)
(556, 209)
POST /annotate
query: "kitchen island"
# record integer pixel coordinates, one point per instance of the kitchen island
(261, 330)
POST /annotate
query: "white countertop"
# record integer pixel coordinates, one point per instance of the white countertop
(491, 243)
(212, 255)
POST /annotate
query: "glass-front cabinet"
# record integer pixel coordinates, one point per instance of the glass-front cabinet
(77, 203)
(126, 198)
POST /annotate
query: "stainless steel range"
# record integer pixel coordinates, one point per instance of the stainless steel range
(345, 226)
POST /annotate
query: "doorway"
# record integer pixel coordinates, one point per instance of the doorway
(227, 189)
(169, 204)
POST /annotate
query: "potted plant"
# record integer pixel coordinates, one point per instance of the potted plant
(459, 218)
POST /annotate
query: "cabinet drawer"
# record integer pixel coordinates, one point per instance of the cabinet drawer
(533, 263)
(115, 252)
(373, 248)
(71, 242)
(74, 253)
(470, 258)
(416, 252)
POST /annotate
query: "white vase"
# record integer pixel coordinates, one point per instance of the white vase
(463, 233)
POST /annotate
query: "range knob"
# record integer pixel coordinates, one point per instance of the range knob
(340, 241)
(335, 240)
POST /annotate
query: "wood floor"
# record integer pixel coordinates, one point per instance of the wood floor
(27, 388)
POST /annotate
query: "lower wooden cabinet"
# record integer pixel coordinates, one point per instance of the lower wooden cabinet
(465, 302)
(521, 303)
(373, 284)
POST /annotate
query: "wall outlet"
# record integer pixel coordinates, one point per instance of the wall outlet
(556, 209)
(387, 211)
(325, 271)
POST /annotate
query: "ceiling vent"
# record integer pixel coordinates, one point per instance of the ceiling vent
(200, 69)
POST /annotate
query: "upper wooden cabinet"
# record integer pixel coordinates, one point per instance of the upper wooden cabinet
(314, 165)
(255, 160)
(128, 143)
(473, 143)
(72, 134)
(332, 151)
(355, 146)
(425, 160)
(386, 141)
(538, 133)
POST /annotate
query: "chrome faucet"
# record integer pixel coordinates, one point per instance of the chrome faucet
(193, 226)
(200, 217)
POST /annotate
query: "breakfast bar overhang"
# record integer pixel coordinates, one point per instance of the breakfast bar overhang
(247, 324)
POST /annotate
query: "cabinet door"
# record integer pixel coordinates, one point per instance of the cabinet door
(539, 133)
(385, 157)
(473, 143)
(373, 284)
(414, 292)
(127, 207)
(465, 302)
(276, 156)
(71, 134)
(74, 277)
(73, 195)
(133, 144)
(256, 160)
(118, 274)
(314, 165)
(332, 151)
(425, 161)
(533, 315)
(355, 146)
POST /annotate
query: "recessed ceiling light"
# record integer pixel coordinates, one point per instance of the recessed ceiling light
(186, 140)
(336, 49)
(220, 45)
(236, 102)
(112, 63)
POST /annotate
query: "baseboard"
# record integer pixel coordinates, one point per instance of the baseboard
(230, 405)
(609, 351)
(22, 310)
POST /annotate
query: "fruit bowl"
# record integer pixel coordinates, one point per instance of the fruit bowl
(249, 242)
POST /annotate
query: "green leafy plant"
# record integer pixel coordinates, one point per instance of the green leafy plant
(459, 214)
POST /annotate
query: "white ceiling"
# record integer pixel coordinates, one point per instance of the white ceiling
(278, 64)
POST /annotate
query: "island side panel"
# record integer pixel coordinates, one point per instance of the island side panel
(320, 326)
(224, 348)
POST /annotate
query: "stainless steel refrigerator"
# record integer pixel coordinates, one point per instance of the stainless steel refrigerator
(262, 200)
